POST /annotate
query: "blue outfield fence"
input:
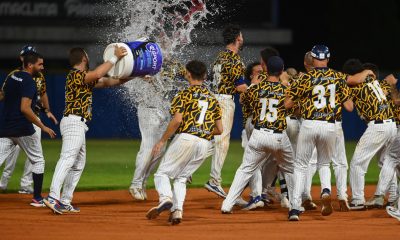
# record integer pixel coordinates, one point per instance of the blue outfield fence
(115, 118)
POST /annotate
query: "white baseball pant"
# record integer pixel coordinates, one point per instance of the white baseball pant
(72, 159)
(393, 186)
(26, 179)
(222, 141)
(262, 145)
(388, 171)
(183, 157)
(377, 137)
(313, 134)
(152, 125)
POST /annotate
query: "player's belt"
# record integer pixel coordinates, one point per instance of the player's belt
(76, 117)
(294, 118)
(225, 96)
(382, 121)
(268, 130)
(321, 120)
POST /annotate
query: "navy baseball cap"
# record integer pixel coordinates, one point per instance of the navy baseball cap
(26, 49)
(320, 52)
(275, 65)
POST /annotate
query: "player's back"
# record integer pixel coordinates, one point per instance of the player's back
(370, 100)
(199, 109)
(320, 92)
(267, 102)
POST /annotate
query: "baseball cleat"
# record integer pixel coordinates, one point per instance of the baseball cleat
(215, 188)
(176, 217)
(26, 190)
(285, 203)
(69, 208)
(154, 212)
(390, 204)
(37, 203)
(327, 208)
(375, 202)
(294, 215)
(344, 205)
(137, 193)
(357, 206)
(394, 212)
(265, 199)
(254, 203)
(223, 211)
(53, 204)
(309, 205)
(273, 196)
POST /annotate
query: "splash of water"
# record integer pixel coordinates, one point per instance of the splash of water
(169, 23)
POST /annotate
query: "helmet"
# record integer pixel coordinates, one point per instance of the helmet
(26, 49)
(320, 52)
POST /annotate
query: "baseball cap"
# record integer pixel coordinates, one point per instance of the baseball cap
(320, 52)
(275, 65)
(26, 49)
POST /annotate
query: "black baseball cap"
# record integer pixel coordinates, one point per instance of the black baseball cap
(27, 49)
(275, 65)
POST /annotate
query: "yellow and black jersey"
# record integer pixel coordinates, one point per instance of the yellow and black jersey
(267, 104)
(245, 102)
(370, 100)
(320, 94)
(200, 110)
(228, 72)
(173, 76)
(293, 112)
(78, 95)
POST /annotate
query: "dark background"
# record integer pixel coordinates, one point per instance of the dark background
(368, 30)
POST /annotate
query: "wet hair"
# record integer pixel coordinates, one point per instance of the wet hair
(76, 55)
(31, 58)
(268, 52)
(373, 67)
(230, 33)
(197, 69)
(249, 70)
(352, 66)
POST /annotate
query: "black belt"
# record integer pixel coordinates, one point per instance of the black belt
(294, 118)
(329, 121)
(382, 121)
(268, 130)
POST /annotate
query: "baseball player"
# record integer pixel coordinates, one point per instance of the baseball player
(318, 92)
(268, 140)
(153, 118)
(196, 119)
(78, 111)
(373, 107)
(228, 79)
(17, 116)
(42, 105)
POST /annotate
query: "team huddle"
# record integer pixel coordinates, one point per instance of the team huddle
(292, 128)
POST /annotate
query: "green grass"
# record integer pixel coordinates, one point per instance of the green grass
(110, 165)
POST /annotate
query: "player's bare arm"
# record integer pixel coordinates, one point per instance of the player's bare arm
(26, 109)
(106, 82)
(242, 88)
(218, 128)
(289, 103)
(348, 105)
(171, 129)
(45, 102)
(102, 70)
(358, 78)
(392, 81)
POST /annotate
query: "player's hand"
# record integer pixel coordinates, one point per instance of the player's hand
(49, 131)
(120, 52)
(52, 118)
(157, 148)
(391, 80)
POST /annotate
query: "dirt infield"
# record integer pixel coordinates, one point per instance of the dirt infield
(113, 215)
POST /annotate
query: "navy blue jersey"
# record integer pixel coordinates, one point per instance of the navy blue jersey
(18, 84)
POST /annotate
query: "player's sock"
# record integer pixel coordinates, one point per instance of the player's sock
(37, 185)
(284, 189)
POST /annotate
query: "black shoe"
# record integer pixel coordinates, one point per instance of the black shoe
(294, 215)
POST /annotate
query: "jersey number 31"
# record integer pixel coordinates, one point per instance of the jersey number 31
(320, 91)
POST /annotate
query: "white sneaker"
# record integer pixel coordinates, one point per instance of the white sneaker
(137, 193)
(154, 212)
(240, 202)
(254, 203)
(176, 217)
(285, 203)
(394, 212)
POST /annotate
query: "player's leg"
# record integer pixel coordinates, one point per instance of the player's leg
(325, 150)
(72, 179)
(10, 161)
(376, 137)
(308, 204)
(255, 153)
(26, 178)
(73, 138)
(269, 171)
(221, 146)
(305, 147)
(7, 151)
(33, 149)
